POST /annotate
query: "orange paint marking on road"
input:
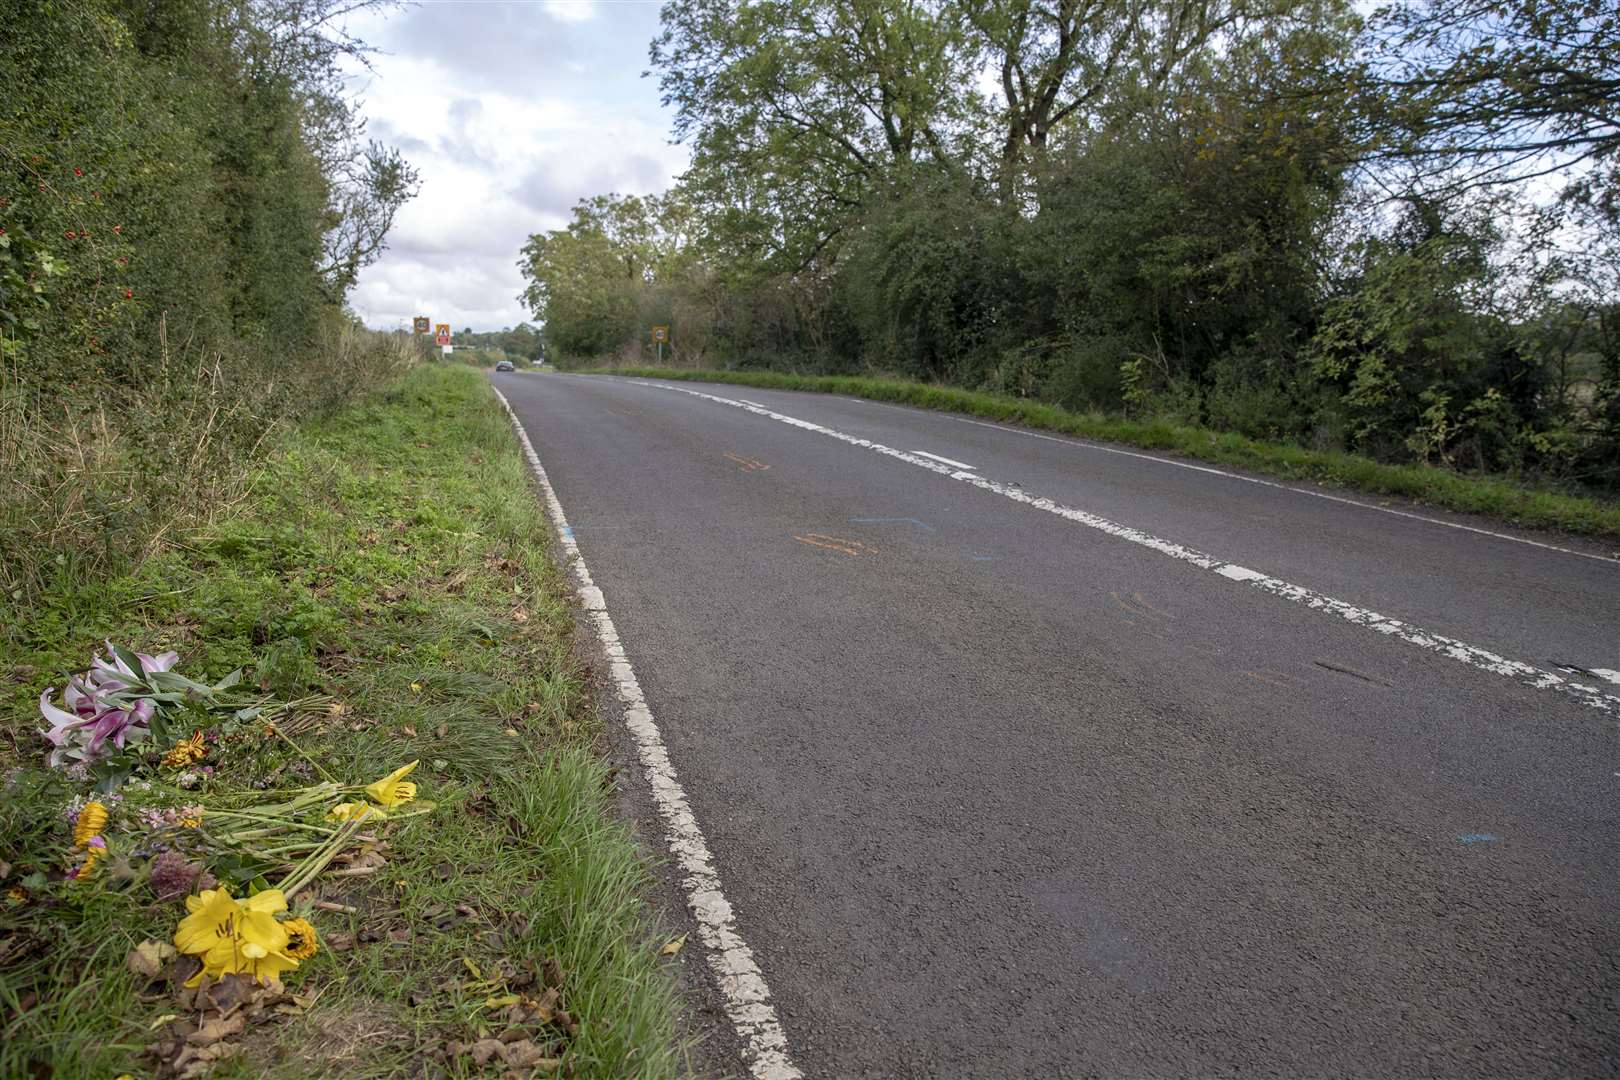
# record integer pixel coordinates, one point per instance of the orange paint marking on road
(746, 464)
(1136, 604)
(836, 543)
(1271, 678)
(1139, 599)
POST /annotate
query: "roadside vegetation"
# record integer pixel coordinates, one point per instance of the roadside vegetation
(1392, 233)
(386, 592)
(1494, 497)
(298, 771)
(186, 195)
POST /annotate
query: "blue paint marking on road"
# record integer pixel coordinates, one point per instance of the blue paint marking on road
(568, 532)
(893, 521)
(1477, 838)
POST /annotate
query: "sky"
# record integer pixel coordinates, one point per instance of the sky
(513, 111)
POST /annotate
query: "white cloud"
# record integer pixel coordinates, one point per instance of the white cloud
(572, 10)
(512, 112)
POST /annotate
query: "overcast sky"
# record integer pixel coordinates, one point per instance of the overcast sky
(513, 110)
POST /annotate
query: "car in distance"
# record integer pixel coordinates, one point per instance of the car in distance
(504, 365)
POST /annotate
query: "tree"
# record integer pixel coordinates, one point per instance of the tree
(1058, 59)
(586, 280)
(366, 194)
(1472, 93)
(796, 110)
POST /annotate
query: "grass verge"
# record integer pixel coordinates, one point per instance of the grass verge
(394, 558)
(1492, 497)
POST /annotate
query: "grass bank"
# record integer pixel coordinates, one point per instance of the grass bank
(1492, 497)
(389, 563)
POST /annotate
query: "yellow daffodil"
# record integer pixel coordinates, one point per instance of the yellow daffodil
(186, 751)
(301, 940)
(393, 789)
(353, 811)
(88, 825)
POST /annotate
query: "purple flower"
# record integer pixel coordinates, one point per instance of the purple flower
(101, 708)
(173, 875)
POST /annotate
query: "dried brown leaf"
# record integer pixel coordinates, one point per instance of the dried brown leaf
(526, 1055)
(215, 1029)
(486, 1050)
(147, 958)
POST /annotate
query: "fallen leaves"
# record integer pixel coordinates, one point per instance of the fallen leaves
(673, 947)
(520, 1053)
(149, 958)
(190, 1044)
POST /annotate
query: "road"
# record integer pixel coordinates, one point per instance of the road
(1002, 787)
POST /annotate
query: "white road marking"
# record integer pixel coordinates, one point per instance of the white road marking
(1472, 655)
(945, 460)
(742, 985)
(1606, 674)
(1211, 470)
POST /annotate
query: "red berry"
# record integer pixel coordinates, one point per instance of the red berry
(129, 294)
(78, 172)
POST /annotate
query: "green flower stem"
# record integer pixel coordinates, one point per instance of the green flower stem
(300, 752)
(319, 859)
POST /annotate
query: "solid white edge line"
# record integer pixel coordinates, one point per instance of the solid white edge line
(742, 985)
(1472, 655)
(1084, 444)
(945, 460)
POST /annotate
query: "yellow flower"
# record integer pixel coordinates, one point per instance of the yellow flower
(17, 894)
(211, 926)
(393, 789)
(91, 820)
(235, 937)
(353, 811)
(186, 751)
(94, 852)
(192, 822)
(301, 941)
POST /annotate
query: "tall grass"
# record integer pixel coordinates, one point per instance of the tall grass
(97, 477)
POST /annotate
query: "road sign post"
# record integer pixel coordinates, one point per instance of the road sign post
(420, 324)
(660, 336)
(441, 334)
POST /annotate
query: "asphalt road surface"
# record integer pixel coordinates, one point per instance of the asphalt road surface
(1000, 787)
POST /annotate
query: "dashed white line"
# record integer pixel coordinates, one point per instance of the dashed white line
(742, 985)
(943, 460)
(1472, 655)
(1212, 471)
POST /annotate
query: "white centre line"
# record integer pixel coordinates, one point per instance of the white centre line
(1082, 444)
(742, 985)
(1472, 655)
(946, 460)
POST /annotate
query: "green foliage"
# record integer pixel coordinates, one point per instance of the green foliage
(183, 201)
(331, 574)
(1268, 221)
